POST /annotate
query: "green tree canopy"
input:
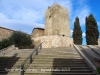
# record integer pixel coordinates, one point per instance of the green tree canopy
(5, 43)
(77, 32)
(92, 33)
(21, 39)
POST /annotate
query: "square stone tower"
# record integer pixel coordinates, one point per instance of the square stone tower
(57, 28)
(57, 21)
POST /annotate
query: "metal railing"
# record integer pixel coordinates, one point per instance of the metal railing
(29, 59)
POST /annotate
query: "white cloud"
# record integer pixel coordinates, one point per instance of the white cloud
(2, 16)
(20, 22)
(98, 23)
(25, 26)
(31, 13)
(28, 15)
(34, 10)
(83, 34)
(81, 13)
(71, 32)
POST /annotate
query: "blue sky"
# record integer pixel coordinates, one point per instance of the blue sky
(24, 15)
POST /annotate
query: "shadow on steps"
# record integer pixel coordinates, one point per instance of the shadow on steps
(70, 67)
(8, 63)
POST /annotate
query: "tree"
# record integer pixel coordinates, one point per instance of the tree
(5, 43)
(77, 32)
(92, 33)
(21, 39)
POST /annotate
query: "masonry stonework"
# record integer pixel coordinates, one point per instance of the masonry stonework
(99, 41)
(37, 32)
(52, 41)
(57, 21)
(57, 29)
(5, 33)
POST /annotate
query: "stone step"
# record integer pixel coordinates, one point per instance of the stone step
(57, 60)
(11, 61)
(66, 48)
(62, 72)
(43, 62)
(48, 67)
(75, 73)
(9, 66)
(9, 73)
(40, 68)
(60, 51)
(18, 55)
(59, 74)
(51, 55)
(63, 68)
(62, 57)
(59, 54)
(56, 70)
(51, 72)
(12, 58)
(54, 58)
(58, 65)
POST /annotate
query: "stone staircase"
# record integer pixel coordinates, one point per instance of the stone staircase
(58, 61)
(53, 61)
(12, 60)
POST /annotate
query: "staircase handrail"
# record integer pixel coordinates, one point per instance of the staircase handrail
(29, 58)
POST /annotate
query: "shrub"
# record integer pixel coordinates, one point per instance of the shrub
(5, 43)
(21, 39)
(98, 70)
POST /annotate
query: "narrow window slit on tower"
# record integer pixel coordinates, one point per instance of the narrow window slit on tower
(63, 35)
(50, 16)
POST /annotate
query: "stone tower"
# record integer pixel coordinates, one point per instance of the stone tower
(57, 21)
(57, 29)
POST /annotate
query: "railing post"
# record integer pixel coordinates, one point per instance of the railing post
(22, 70)
(37, 51)
(30, 59)
(40, 46)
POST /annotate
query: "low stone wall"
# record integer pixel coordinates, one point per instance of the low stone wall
(5, 33)
(52, 41)
(7, 50)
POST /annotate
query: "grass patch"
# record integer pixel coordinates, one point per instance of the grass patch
(98, 70)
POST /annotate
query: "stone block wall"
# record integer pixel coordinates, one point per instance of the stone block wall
(53, 41)
(99, 41)
(57, 21)
(37, 32)
(5, 33)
